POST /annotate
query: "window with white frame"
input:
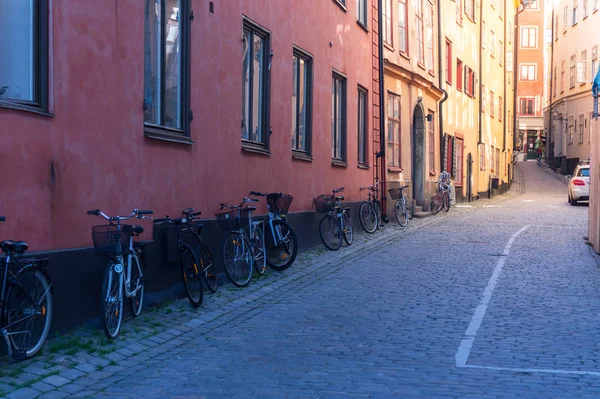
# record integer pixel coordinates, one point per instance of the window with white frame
(562, 76)
(459, 148)
(575, 9)
(430, 54)
(362, 125)
(594, 62)
(393, 123)
(585, 8)
(528, 36)
(581, 125)
(582, 69)
(570, 129)
(484, 35)
(572, 67)
(419, 32)
(527, 106)
(492, 43)
(361, 12)
(301, 101)
(482, 156)
(24, 49)
(387, 22)
(497, 168)
(403, 26)
(528, 71)
(431, 140)
(492, 104)
(565, 19)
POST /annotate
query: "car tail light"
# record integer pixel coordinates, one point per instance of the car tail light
(578, 182)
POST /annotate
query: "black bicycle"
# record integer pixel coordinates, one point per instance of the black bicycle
(193, 237)
(191, 268)
(336, 223)
(25, 301)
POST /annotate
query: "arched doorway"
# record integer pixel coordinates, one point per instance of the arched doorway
(418, 154)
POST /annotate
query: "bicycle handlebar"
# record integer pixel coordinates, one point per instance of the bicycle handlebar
(257, 193)
(338, 190)
(136, 212)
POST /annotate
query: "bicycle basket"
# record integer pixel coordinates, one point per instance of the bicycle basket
(109, 240)
(324, 203)
(395, 193)
(233, 219)
(279, 203)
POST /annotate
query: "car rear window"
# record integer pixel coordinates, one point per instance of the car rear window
(584, 172)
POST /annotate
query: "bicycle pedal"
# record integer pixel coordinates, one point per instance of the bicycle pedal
(19, 354)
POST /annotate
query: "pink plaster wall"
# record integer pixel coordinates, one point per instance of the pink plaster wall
(95, 139)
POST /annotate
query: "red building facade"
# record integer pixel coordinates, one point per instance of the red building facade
(167, 104)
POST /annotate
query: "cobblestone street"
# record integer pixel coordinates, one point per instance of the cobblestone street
(496, 299)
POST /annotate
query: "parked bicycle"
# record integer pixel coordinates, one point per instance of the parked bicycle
(441, 199)
(193, 237)
(336, 222)
(244, 246)
(400, 206)
(122, 276)
(369, 214)
(191, 269)
(281, 243)
(25, 301)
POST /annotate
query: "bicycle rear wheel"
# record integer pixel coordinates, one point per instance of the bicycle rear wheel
(283, 248)
(347, 227)
(112, 300)
(368, 218)
(401, 213)
(237, 259)
(330, 232)
(258, 249)
(28, 313)
(435, 205)
(192, 275)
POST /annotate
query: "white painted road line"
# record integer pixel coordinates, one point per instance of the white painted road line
(462, 354)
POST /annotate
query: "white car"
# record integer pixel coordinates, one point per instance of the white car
(579, 185)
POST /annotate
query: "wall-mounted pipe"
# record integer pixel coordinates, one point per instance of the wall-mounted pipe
(381, 154)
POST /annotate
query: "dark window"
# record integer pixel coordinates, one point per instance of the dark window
(403, 27)
(338, 119)
(24, 54)
(255, 85)
(431, 140)
(583, 172)
(393, 119)
(166, 66)
(527, 106)
(362, 126)
(302, 101)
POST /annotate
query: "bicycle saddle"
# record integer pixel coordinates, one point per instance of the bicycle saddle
(18, 247)
(250, 208)
(403, 187)
(339, 197)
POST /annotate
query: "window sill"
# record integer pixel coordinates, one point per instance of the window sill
(160, 133)
(339, 163)
(342, 6)
(448, 83)
(432, 73)
(362, 26)
(248, 146)
(363, 166)
(25, 108)
(388, 46)
(405, 55)
(301, 156)
(432, 173)
(420, 65)
(395, 169)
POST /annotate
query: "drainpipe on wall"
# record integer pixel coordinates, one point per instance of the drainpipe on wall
(440, 83)
(480, 73)
(550, 118)
(505, 86)
(381, 154)
(515, 76)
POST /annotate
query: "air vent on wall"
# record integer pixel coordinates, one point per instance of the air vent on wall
(211, 7)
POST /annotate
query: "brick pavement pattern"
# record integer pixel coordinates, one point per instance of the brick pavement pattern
(382, 318)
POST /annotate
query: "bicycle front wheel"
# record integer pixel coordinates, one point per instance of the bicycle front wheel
(401, 213)
(136, 284)
(281, 246)
(209, 274)
(237, 259)
(112, 300)
(330, 232)
(347, 227)
(192, 275)
(28, 313)
(368, 218)
(436, 205)
(446, 203)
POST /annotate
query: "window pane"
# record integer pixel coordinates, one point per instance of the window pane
(257, 88)
(172, 65)
(303, 87)
(246, 103)
(333, 118)
(152, 97)
(17, 47)
(339, 95)
(294, 101)
(361, 126)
